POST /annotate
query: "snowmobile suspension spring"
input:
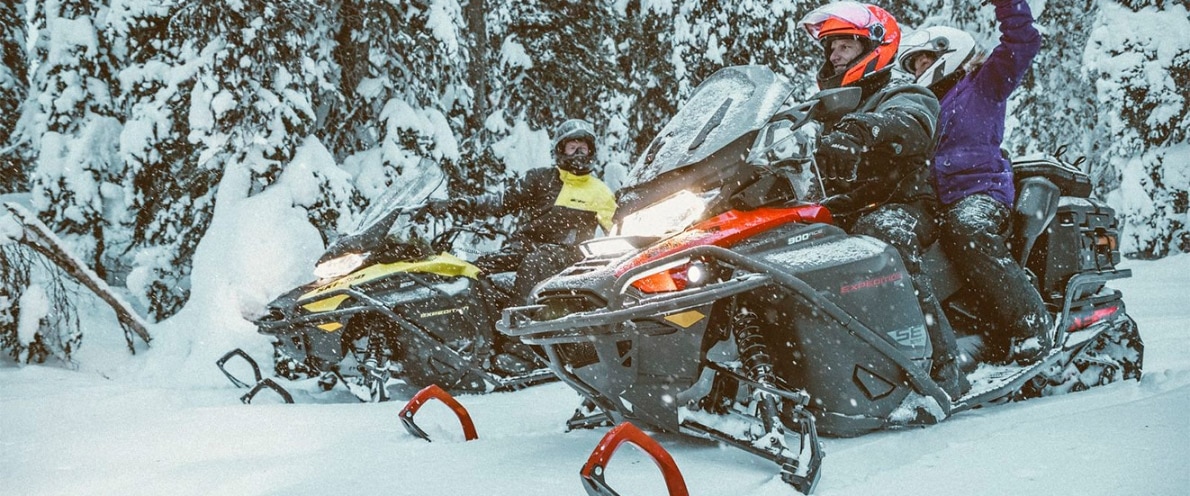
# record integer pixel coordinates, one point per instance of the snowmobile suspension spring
(753, 351)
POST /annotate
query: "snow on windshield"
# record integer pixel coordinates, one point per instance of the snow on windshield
(728, 105)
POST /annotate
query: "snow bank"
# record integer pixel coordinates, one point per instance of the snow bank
(256, 248)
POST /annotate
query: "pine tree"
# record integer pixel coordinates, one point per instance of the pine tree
(14, 68)
(252, 102)
(221, 94)
(71, 123)
(170, 197)
(1143, 80)
(404, 87)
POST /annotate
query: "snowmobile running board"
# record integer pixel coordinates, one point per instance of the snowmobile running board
(595, 468)
(434, 392)
(261, 383)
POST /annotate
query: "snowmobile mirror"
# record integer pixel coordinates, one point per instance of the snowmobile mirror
(833, 103)
(434, 392)
(594, 470)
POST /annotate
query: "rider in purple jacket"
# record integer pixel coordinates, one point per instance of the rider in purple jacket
(972, 176)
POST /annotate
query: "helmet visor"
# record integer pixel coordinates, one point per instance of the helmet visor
(924, 41)
(826, 19)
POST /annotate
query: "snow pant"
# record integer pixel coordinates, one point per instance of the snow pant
(974, 236)
(909, 228)
(533, 263)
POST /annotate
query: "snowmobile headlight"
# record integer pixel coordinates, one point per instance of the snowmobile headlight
(340, 266)
(696, 273)
(604, 247)
(664, 217)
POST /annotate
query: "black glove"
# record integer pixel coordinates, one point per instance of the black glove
(838, 155)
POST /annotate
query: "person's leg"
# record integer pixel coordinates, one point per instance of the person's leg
(974, 236)
(541, 262)
(908, 228)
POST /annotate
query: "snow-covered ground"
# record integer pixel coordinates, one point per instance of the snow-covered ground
(120, 426)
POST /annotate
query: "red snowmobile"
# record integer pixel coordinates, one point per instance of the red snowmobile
(729, 307)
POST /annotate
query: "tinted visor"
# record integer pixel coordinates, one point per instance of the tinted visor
(833, 18)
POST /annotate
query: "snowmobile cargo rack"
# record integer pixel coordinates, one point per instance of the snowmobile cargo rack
(596, 466)
(260, 384)
(433, 392)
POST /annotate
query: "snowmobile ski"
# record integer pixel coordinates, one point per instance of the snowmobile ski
(433, 392)
(594, 470)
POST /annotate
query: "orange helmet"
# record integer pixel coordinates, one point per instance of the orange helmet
(873, 26)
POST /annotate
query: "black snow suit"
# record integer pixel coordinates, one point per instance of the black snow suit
(555, 210)
(886, 193)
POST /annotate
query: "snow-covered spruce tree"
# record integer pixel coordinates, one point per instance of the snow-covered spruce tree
(646, 100)
(1054, 106)
(711, 34)
(14, 68)
(549, 60)
(171, 197)
(403, 80)
(218, 90)
(70, 121)
(252, 100)
(1141, 71)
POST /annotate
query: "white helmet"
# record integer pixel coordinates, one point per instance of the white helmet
(954, 48)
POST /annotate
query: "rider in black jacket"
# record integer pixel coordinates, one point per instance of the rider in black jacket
(875, 160)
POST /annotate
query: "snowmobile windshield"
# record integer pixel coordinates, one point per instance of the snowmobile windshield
(732, 103)
(408, 191)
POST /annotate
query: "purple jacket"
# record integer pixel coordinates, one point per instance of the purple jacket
(971, 123)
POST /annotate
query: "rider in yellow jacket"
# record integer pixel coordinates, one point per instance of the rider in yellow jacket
(556, 207)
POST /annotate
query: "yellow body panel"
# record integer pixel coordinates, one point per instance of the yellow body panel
(685, 319)
(443, 264)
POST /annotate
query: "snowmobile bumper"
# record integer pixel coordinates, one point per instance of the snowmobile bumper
(752, 274)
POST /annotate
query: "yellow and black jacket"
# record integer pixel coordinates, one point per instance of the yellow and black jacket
(553, 206)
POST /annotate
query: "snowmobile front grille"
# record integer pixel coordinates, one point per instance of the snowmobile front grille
(558, 306)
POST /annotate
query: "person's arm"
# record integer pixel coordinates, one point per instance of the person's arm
(1020, 41)
(517, 195)
(902, 125)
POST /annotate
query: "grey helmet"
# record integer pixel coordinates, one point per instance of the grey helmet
(574, 129)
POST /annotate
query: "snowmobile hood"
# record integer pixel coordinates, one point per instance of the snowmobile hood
(729, 105)
(443, 264)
